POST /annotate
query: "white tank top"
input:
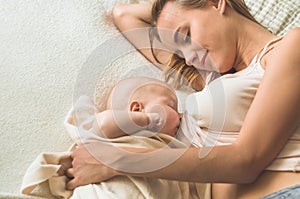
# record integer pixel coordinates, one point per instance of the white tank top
(214, 116)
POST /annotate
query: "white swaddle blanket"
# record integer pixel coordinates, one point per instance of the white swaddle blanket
(82, 118)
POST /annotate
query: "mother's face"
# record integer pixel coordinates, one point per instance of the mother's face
(200, 35)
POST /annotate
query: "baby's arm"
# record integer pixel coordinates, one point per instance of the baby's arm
(117, 123)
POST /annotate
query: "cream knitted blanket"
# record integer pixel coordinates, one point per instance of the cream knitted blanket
(80, 126)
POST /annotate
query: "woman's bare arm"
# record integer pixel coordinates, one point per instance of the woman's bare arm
(133, 20)
(274, 114)
(271, 120)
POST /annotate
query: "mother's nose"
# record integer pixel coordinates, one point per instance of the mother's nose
(189, 56)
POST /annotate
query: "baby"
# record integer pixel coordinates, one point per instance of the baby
(149, 104)
(143, 103)
(139, 103)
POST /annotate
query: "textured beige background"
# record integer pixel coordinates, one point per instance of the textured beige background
(43, 45)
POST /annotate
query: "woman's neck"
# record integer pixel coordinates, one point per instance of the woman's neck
(250, 40)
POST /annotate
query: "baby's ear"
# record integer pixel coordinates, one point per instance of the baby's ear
(135, 106)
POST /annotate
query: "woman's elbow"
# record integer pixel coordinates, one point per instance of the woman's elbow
(249, 170)
(248, 176)
(118, 13)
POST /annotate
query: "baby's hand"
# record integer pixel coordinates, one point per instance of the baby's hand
(156, 122)
(165, 119)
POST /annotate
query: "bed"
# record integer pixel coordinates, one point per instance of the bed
(46, 48)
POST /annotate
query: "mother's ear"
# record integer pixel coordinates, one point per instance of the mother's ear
(136, 106)
(220, 5)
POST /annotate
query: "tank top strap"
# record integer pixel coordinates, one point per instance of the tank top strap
(266, 48)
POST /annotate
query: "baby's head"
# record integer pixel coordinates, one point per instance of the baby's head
(147, 95)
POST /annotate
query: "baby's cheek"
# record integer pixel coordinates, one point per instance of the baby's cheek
(173, 119)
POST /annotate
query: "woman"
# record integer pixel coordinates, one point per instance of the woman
(232, 39)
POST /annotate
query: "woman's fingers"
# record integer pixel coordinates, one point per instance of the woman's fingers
(70, 173)
(86, 169)
(72, 184)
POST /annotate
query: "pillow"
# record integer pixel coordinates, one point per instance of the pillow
(277, 15)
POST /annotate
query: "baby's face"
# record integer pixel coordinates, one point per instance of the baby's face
(165, 99)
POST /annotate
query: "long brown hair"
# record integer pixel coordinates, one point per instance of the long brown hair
(177, 71)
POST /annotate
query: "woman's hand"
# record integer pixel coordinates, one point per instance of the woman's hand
(86, 169)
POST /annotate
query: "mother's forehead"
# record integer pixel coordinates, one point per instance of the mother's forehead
(170, 19)
(170, 16)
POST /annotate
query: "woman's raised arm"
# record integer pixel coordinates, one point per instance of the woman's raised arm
(132, 16)
(134, 22)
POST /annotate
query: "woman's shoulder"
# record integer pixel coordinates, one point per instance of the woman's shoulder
(294, 32)
(287, 52)
(290, 41)
(291, 37)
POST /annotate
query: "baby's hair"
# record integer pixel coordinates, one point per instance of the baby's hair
(124, 90)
